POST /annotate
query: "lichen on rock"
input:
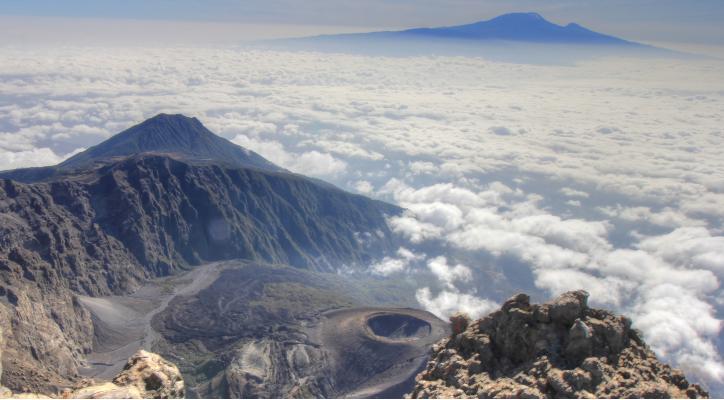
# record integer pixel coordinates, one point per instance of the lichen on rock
(560, 349)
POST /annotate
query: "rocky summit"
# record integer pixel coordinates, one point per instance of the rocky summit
(560, 349)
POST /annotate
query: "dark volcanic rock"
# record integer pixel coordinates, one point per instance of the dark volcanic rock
(118, 221)
(261, 331)
(561, 349)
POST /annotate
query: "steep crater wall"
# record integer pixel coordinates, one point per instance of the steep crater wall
(398, 326)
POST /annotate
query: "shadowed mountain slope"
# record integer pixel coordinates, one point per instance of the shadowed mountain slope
(105, 223)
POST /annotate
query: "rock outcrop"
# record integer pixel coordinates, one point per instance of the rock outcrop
(4, 392)
(560, 349)
(145, 376)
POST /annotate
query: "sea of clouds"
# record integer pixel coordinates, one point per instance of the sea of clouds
(607, 175)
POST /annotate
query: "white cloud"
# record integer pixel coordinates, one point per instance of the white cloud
(422, 167)
(312, 163)
(393, 265)
(448, 274)
(433, 143)
(574, 193)
(28, 158)
(38, 157)
(573, 203)
(692, 247)
(568, 254)
(364, 187)
(447, 303)
(667, 217)
(315, 163)
(388, 266)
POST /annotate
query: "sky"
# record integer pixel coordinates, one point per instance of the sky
(654, 21)
(604, 175)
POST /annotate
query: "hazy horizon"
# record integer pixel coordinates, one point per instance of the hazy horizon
(688, 27)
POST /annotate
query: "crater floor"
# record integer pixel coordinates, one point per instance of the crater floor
(239, 329)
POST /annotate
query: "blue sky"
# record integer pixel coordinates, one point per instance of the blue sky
(649, 20)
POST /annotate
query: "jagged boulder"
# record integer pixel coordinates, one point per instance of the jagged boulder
(568, 307)
(153, 376)
(459, 322)
(145, 376)
(560, 349)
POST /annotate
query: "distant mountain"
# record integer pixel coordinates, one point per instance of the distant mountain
(519, 27)
(154, 200)
(518, 37)
(177, 136)
(514, 27)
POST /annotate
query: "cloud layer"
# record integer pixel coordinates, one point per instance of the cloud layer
(605, 176)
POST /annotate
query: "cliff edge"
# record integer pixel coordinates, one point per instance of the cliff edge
(145, 376)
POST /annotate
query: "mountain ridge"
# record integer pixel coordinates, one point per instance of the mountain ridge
(529, 27)
(114, 222)
(515, 27)
(523, 37)
(175, 135)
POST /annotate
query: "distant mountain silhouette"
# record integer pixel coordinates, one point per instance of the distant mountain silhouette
(515, 27)
(517, 37)
(521, 27)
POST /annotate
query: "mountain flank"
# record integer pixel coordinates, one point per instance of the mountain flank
(157, 199)
(560, 349)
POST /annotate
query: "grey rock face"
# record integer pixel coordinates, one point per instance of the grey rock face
(117, 221)
(4, 392)
(561, 349)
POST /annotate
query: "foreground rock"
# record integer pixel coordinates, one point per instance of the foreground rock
(146, 375)
(4, 392)
(560, 349)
